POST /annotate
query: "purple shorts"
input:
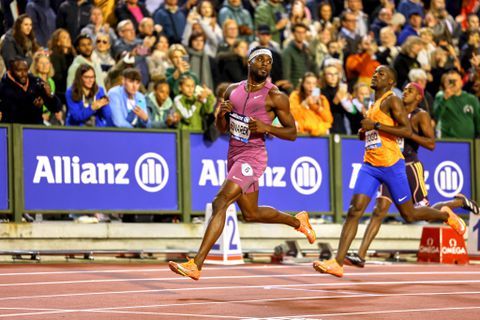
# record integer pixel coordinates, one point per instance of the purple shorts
(245, 166)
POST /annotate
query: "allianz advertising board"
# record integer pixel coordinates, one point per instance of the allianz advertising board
(297, 176)
(99, 170)
(3, 169)
(447, 170)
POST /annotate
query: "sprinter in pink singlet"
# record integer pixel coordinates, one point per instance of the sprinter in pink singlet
(247, 113)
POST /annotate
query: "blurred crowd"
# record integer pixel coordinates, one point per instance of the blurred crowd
(166, 63)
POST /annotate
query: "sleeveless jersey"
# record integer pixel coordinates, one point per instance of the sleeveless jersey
(381, 149)
(246, 105)
(410, 152)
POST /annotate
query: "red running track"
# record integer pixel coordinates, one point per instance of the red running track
(146, 291)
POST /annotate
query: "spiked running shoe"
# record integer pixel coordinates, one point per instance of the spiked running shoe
(353, 259)
(186, 269)
(455, 221)
(305, 226)
(329, 266)
(468, 204)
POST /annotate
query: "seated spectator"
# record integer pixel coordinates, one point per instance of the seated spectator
(383, 20)
(232, 66)
(73, 15)
(299, 14)
(412, 28)
(193, 104)
(456, 111)
(23, 96)
(179, 58)
(319, 48)
(20, 41)
(230, 36)
(84, 46)
(357, 105)
(405, 7)
(407, 59)
(158, 62)
(472, 24)
(161, 110)
(233, 9)
(114, 75)
(441, 62)
(86, 102)
(309, 108)
(273, 14)
(128, 105)
(43, 20)
(132, 10)
(361, 66)
(325, 16)
(472, 47)
(147, 32)
(101, 54)
(173, 20)
(439, 9)
(349, 34)
(62, 54)
(420, 76)
(202, 64)
(356, 7)
(98, 25)
(42, 67)
(335, 92)
(426, 34)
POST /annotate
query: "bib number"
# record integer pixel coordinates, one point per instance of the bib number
(372, 140)
(239, 127)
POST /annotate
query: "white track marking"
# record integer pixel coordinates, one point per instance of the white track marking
(316, 274)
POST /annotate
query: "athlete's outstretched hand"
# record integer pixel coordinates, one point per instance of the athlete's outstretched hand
(257, 126)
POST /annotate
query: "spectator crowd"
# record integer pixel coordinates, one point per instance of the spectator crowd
(164, 63)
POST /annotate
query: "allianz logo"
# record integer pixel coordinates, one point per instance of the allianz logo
(305, 175)
(151, 171)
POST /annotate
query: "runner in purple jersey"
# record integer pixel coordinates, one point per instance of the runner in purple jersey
(247, 113)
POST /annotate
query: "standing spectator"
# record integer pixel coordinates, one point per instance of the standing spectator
(388, 50)
(230, 36)
(203, 65)
(43, 20)
(296, 58)
(232, 66)
(356, 7)
(412, 28)
(129, 108)
(473, 23)
(193, 104)
(335, 92)
(299, 14)
(407, 59)
(472, 47)
(406, 7)
(161, 110)
(101, 54)
(179, 57)
(133, 11)
(440, 63)
(426, 34)
(457, 112)
(439, 10)
(73, 15)
(158, 62)
(319, 49)
(84, 46)
(42, 67)
(62, 54)
(309, 108)
(324, 17)
(420, 76)
(349, 33)
(273, 14)
(383, 20)
(233, 9)
(172, 19)
(98, 25)
(20, 41)
(361, 66)
(8, 15)
(86, 101)
(23, 95)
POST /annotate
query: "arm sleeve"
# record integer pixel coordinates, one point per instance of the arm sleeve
(117, 115)
(76, 109)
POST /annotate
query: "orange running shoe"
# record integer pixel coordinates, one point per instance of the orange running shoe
(186, 269)
(455, 221)
(329, 266)
(305, 226)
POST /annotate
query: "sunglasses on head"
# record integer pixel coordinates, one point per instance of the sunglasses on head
(102, 41)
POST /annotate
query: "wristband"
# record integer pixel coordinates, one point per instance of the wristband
(377, 125)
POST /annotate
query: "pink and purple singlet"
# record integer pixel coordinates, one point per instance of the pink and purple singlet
(247, 155)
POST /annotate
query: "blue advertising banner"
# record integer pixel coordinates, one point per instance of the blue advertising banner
(3, 169)
(297, 177)
(99, 170)
(447, 170)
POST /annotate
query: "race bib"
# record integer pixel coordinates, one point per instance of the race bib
(239, 127)
(401, 143)
(372, 140)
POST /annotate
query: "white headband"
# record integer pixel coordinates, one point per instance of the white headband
(256, 53)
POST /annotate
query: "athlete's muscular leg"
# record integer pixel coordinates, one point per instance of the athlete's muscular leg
(452, 204)
(411, 214)
(228, 194)
(357, 207)
(379, 212)
(248, 204)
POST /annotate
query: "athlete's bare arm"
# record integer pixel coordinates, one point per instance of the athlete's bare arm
(423, 122)
(393, 106)
(225, 107)
(278, 104)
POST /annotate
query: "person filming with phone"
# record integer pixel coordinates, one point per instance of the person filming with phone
(456, 111)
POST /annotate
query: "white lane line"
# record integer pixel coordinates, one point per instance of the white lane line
(249, 301)
(365, 274)
(247, 287)
(329, 315)
(281, 287)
